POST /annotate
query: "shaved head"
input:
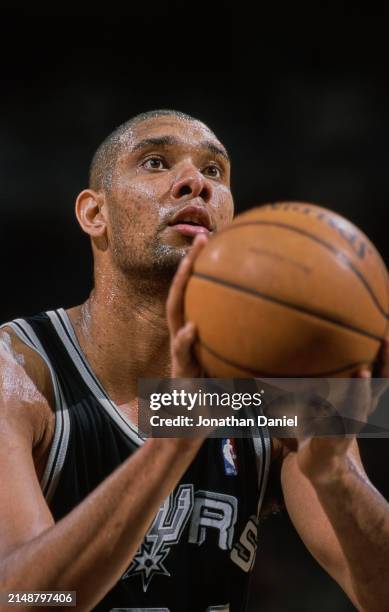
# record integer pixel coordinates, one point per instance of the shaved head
(142, 176)
(104, 160)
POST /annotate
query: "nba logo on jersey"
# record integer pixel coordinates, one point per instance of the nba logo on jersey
(229, 456)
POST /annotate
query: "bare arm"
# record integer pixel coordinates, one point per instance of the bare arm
(344, 522)
(90, 548)
(341, 517)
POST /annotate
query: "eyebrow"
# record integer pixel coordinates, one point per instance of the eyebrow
(163, 141)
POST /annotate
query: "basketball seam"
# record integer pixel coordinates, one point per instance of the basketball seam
(327, 245)
(286, 304)
(257, 373)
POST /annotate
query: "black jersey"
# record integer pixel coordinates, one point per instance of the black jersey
(199, 551)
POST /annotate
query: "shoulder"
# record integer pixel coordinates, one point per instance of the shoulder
(26, 391)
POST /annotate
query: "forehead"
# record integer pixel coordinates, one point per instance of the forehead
(190, 133)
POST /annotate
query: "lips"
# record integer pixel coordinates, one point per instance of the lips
(192, 220)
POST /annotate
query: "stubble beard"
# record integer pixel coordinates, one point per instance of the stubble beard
(151, 267)
(148, 265)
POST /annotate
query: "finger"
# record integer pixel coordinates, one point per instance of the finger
(381, 364)
(175, 301)
(198, 244)
(363, 372)
(358, 400)
(381, 370)
(182, 345)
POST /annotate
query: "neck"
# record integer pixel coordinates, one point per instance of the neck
(123, 332)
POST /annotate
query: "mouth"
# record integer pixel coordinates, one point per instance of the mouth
(192, 220)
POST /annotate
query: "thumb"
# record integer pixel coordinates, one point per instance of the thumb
(184, 364)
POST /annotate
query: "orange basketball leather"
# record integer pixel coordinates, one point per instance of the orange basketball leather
(288, 289)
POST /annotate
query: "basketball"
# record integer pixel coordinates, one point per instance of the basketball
(288, 289)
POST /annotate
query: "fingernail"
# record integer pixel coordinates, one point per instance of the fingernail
(189, 325)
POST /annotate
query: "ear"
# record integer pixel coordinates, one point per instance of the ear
(90, 213)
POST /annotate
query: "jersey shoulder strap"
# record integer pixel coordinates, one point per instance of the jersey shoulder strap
(27, 333)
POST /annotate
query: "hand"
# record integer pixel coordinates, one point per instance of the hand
(321, 457)
(183, 335)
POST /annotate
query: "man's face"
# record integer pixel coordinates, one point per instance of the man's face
(172, 181)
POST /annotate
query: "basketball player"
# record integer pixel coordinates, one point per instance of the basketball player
(162, 524)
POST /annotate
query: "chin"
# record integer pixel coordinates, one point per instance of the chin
(167, 258)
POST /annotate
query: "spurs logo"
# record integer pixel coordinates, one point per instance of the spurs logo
(165, 531)
(208, 510)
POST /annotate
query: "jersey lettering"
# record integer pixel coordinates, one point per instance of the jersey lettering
(213, 511)
(243, 553)
(209, 511)
(165, 531)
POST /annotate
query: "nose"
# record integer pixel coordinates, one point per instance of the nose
(193, 184)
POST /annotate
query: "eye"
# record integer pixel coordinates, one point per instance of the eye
(154, 163)
(212, 171)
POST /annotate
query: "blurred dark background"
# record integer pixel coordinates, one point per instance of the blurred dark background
(298, 96)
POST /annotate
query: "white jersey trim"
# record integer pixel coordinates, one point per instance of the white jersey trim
(55, 462)
(262, 447)
(64, 329)
(60, 442)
